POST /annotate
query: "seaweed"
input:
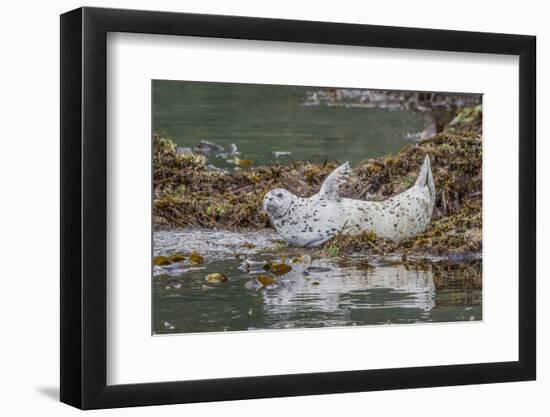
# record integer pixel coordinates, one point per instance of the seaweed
(189, 194)
(453, 237)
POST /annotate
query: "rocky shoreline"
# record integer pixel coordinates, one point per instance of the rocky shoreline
(189, 194)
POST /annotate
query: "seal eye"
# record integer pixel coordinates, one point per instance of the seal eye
(279, 195)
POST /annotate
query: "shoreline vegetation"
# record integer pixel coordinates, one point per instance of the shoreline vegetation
(188, 193)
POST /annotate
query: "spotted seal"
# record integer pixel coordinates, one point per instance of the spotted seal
(313, 221)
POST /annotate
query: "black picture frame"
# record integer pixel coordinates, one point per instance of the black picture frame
(84, 207)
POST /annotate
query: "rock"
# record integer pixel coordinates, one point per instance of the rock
(182, 150)
(232, 149)
(209, 147)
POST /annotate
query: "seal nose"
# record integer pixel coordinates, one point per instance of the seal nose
(265, 203)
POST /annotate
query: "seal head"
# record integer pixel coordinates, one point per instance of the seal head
(277, 202)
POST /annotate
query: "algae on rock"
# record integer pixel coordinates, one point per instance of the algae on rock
(188, 193)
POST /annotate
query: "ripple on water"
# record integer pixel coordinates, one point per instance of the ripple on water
(318, 292)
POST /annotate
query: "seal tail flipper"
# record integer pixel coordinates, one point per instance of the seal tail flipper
(425, 179)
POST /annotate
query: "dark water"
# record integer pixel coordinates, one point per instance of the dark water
(264, 119)
(317, 292)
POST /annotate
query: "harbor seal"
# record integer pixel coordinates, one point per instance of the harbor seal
(309, 222)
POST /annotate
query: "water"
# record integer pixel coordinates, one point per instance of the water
(264, 119)
(270, 124)
(317, 292)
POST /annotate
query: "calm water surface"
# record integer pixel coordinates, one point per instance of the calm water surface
(266, 120)
(316, 293)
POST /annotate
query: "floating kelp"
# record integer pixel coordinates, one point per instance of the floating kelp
(261, 282)
(244, 163)
(278, 268)
(176, 257)
(161, 260)
(195, 258)
(175, 263)
(216, 277)
(266, 280)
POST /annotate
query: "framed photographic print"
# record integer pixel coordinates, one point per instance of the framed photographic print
(257, 208)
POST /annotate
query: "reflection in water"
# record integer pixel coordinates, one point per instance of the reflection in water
(351, 287)
(318, 292)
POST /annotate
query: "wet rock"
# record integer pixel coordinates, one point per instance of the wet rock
(209, 147)
(429, 132)
(232, 150)
(182, 150)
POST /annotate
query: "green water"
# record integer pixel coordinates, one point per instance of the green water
(263, 119)
(320, 292)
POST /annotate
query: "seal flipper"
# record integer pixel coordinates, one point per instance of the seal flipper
(331, 185)
(425, 179)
